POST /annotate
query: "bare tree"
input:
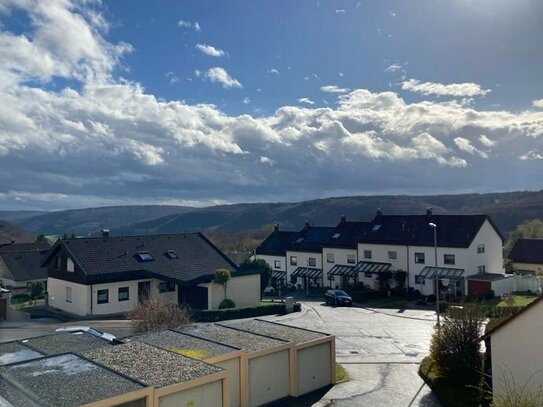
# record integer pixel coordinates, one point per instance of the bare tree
(151, 315)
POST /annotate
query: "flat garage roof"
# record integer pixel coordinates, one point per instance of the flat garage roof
(284, 332)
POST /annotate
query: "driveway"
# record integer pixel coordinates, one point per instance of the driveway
(379, 349)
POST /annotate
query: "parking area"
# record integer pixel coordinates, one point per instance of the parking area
(379, 349)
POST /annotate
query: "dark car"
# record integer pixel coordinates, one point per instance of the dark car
(338, 297)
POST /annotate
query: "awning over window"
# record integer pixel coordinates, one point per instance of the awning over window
(279, 275)
(307, 272)
(340, 270)
(373, 267)
(442, 272)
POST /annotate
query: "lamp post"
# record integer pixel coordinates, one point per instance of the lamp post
(434, 226)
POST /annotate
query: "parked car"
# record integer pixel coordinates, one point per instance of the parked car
(89, 330)
(337, 298)
(269, 291)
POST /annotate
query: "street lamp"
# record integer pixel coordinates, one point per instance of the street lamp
(434, 226)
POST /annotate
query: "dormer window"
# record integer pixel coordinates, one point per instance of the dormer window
(144, 256)
(172, 254)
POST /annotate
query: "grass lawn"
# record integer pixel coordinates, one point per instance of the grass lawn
(518, 300)
(341, 374)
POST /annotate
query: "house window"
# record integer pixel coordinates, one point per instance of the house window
(351, 259)
(419, 258)
(68, 294)
(102, 296)
(448, 259)
(312, 262)
(124, 294)
(293, 261)
(481, 269)
(419, 280)
(367, 274)
(330, 258)
(165, 287)
(277, 264)
(58, 262)
(367, 254)
(392, 255)
(69, 265)
(480, 248)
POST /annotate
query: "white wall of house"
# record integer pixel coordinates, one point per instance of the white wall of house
(503, 286)
(492, 258)
(81, 296)
(276, 263)
(340, 256)
(243, 290)
(302, 260)
(515, 351)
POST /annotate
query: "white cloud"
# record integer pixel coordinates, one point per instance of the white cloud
(340, 11)
(172, 78)
(306, 101)
(394, 68)
(273, 71)
(209, 50)
(392, 13)
(340, 74)
(333, 89)
(189, 24)
(538, 103)
(266, 160)
(453, 89)
(246, 100)
(219, 75)
(531, 155)
(465, 145)
(485, 141)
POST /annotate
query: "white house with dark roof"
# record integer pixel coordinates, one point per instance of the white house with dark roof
(21, 264)
(110, 275)
(527, 256)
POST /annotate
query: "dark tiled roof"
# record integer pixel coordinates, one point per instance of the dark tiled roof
(64, 381)
(55, 344)
(527, 251)
(413, 230)
(24, 247)
(276, 243)
(196, 260)
(347, 234)
(23, 265)
(311, 239)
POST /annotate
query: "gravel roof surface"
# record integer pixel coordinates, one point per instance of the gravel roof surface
(15, 396)
(11, 352)
(287, 333)
(68, 380)
(65, 342)
(151, 365)
(184, 344)
(228, 336)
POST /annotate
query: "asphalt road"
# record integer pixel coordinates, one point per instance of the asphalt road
(379, 351)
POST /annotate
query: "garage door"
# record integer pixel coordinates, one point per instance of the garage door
(478, 287)
(232, 367)
(268, 378)
(313, 368)
(207, 395)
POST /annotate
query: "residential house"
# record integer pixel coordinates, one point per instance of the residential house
(110, 275)
(21, 265)
(527, 256)
(514, 350)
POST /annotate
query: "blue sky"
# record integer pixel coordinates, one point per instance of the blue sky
(203, 102)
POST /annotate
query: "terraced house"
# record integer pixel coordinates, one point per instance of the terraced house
(392, 250)
(110, 275)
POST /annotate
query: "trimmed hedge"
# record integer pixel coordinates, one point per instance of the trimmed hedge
(237, 313)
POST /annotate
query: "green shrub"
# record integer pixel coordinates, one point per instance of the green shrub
(227, 303)
(237, 313)
(18, 298)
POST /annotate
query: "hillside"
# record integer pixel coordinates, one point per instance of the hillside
(10, 232)
(507, 210)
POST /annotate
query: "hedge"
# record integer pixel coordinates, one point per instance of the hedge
(237, 313)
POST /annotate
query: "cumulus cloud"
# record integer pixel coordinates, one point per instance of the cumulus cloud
(219, 75)
(393, 68)
(538, 103)
(190, 24)
(340, 11)
(273, 71)
(104, 140)
(209, 50)
(453, 89)
(333, 89)
(306, 101)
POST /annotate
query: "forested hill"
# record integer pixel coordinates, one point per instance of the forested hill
(507, 209)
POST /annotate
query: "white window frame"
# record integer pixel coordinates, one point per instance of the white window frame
(312, 262)
(481, 269)
(368, 254)
(277, 264)
(449, 262)
(98, 301)
(419, 254)
(330, 258)
(351, 259)
(293, 260)
(127, 294)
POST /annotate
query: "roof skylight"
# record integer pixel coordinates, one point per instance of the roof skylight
(145, 256)
(336, 235)
(376, 228)
(172, 254)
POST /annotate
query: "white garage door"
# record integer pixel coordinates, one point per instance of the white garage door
(313, 368)
(232, 367)
(207, 395)
(268, 378)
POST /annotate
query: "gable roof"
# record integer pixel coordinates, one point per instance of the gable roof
(511, 318)
(276, 243)
(527, 251)
(414, 230)
(311, 239)
(101, 258)
(23, 261)
(347, 234)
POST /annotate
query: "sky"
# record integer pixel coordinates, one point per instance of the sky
(209, 102)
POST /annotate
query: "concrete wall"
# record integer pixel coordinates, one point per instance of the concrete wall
(528, 283)
(243, 290)
(515, 350)
(501, 287)
(80, 304)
